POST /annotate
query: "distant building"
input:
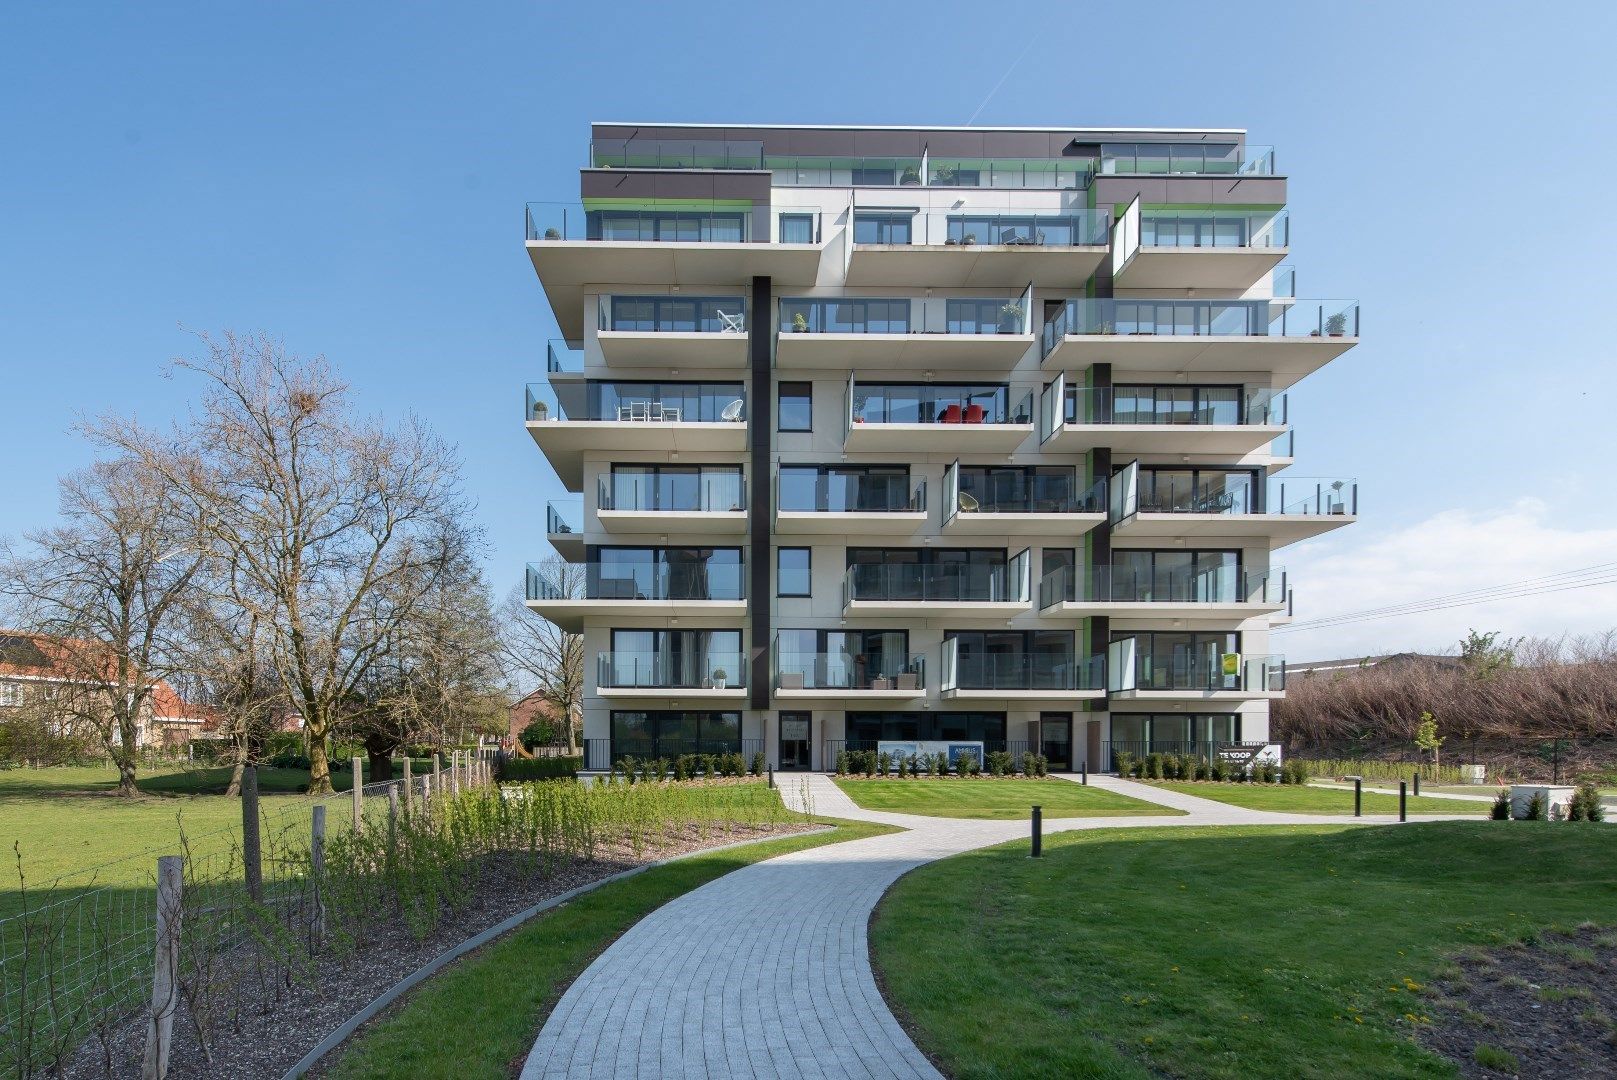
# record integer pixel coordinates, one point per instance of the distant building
(529, 709)
(1361, 663)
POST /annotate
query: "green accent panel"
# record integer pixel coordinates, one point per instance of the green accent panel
(1146, 208)
(667, 204)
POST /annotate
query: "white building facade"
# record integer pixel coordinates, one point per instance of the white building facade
(925, 435)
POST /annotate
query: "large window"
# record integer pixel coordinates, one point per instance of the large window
(1199, 491)
(673, 658)
(1171, 405)
(1183, 659)
(704, 402)
(851, 316)
(1173, 733)
(1210, 577)
(881, 228)
(1015, 660)
(654, 734)
(929, 573)
(670, 314)
(865, 728)
(665, 573)
(797, 228)
(845, 488)
(796, 406)
(844, 659)
(938, 403)
(684, 226)
(672, 487)
(793, 574)
(1046, 489)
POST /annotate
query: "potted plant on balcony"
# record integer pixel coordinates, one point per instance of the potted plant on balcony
(1336, 325)
(719, 678)
(943, 174)
(799, 323)
(911, 177)
(541, 411)
(552, 234)
(969, 239)
(859, 408)
(1010, 318)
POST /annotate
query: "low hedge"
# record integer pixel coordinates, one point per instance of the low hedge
(514, 770)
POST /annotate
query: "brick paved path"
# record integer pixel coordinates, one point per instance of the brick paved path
(765, 972)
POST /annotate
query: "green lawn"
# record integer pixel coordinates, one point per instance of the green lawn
(1306, 799)
(1219, 952)
(479, 1017)
(1001, 799)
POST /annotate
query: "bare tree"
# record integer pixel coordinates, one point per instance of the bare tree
(332, 523)
(225, 653)
(539, 654)
(102, 589)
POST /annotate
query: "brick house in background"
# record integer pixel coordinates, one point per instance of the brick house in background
(530, 708)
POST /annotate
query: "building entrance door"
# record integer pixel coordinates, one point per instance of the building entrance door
(1055, 735)
(794, 740)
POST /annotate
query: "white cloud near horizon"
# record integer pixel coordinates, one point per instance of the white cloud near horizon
(1449, 552)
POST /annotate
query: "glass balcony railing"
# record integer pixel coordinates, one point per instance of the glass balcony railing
(1174, 406)
(1283, 282)
(817, 170)
(1018, 670)
(634, 402)
(1215, 228)
(1234, 493)
(1199, 672)
(671, 489)
(563, 516)
(1004, 492)
(1203, 318)
(686, 574)
(796, 670)
(939, 403)
(676, 154)
(1193, 159)
(648, 670)
(564, 357)
(963, 582)
(683, 221)
(956, 226)
(1123, 585)
(672, 314)
(1026, 174)
(904, 315)
(848, 493)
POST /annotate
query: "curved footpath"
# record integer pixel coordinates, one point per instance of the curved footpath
(765, 972)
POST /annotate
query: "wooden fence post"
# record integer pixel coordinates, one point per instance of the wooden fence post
(408, 784)
(317, 872)
(165, 970)
(359, 796)
(392, 817)
(251, 851)
(454, 771)
(426, 794)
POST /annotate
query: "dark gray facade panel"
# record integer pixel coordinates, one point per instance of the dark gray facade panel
(673, 184)
(907, 142)
(1191, 190)
(761, 421)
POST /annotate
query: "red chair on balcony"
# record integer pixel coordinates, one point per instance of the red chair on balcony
(974, 414)
(951, 415)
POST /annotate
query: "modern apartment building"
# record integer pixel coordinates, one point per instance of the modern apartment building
(954, 435)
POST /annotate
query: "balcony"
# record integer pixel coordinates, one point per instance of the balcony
(1214, 599)
(677, 242)
(1208, 248)
(564, 360)
(958, 243)
(1147, 507)
(1186, 159)
(1016, 505)
(1136, 676)
(954, 333)
(939, 590)
(569, 420)
(1285, 340)
(639, 590)
(659, 676)
(850, 505)
(832, 678)
(1225, 421)
(695, 502)
(1019, 676)
(562, 528)
(934, 417)
(672, 331)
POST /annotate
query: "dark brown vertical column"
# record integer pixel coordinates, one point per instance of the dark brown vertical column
(760, 418)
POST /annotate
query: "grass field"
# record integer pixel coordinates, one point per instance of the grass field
(1000, 799)
(1306, 799)
(1232, 952)
(479, 1017)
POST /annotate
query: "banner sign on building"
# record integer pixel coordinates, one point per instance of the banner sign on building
(905, 750)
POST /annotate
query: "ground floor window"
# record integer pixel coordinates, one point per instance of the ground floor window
(1172, 733)
(865, 729)
(667, 734)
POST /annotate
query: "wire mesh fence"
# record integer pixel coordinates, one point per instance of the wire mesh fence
(77, 953)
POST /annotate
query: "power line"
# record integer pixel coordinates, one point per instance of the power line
(1443, 604)
(1545, 579)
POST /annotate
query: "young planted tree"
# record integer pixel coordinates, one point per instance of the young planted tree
(102, 590)
(538, 653)
(332, 523)
(1427, 740)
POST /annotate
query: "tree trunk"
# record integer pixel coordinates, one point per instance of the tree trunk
(567, 726)
(124, 755)
(233, 789)
(319, 765)
(381, 762)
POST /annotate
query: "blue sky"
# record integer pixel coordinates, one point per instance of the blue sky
(351, 178)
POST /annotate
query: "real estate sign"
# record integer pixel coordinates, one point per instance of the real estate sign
(906, 750)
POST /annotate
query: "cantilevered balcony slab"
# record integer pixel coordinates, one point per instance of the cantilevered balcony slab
(1191, 696)
(570, 614)
(1223, 268)
(672, 349)
(673, 522)
(1047, 696)
(565, 442)
(845, 697)
(979, 523)
(850, 523)
(955, 265)
(964, 439)
(668, 695)
(1188, 612)
(1144, 529)
(936, 609)
(911, 352)
(1226, 440)
(1284, 360)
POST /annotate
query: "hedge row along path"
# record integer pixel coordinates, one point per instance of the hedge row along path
(765, 972)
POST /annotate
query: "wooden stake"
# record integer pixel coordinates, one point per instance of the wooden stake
(252, 857)
(359, 797)
(166, 968)
(317, 872)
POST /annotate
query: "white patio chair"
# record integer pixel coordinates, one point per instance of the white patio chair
(732, 411)
(639, 410)
(733, 324)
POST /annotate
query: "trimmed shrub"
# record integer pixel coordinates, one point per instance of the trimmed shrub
(519, 770)
(884, 763)
(1124, 761)
(913, 765)
(539, 733)
(968, 764)
(1153, 766)
(758, 764)
(1586, 803)
(1501, 805)
(1535, 808)
(1042, 764)
(842, 763)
